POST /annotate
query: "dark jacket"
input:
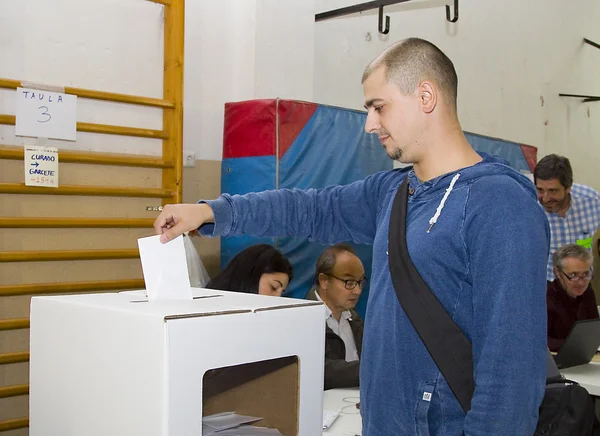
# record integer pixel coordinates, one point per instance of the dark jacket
(338, 372)
(563, 311)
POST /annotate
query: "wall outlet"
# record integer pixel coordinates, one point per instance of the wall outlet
(189, 159)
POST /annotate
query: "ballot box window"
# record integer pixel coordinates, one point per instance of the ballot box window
(268, 389)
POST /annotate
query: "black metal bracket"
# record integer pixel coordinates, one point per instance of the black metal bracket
(592, 43)
(387, 22)
(455, 19)
(361, 7)
(356, 8)
(586, 98)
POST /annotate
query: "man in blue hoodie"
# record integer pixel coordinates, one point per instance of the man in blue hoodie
(474, 232)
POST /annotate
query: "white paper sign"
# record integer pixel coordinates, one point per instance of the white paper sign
(45, 114)
(41, 166)
(165, 269)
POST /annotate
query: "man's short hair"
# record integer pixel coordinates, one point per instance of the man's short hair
(328, 258)
(554, 166)
(411, 61)
(571, 250)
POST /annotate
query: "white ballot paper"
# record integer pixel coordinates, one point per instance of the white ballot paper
(165, 269)
(232, 424)
(227, 420)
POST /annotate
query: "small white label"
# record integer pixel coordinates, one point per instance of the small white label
(41, 166)
(427, 396)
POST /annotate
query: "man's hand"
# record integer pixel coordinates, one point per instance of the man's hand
(178, 218)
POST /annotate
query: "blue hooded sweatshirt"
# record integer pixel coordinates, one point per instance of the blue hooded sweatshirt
(485, 260)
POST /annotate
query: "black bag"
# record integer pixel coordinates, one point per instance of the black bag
(567, 408)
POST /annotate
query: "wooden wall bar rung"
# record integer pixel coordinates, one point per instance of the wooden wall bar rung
(17, 153)
(71, 223)
(8, 358)
(161, 2)
(57, 255)
(14, 324)
(101, 95)
(103, 128)
(14, 391)
(95, 191)
(14, 424)
(121, 130)
(69, 287)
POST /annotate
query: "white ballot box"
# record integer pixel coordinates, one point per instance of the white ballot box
(119, 365)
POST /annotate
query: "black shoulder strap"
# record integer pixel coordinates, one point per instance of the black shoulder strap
(445, 341)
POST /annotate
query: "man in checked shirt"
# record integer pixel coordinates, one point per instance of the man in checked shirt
(573, 210)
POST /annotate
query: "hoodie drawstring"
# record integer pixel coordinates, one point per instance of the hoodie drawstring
(435, 217)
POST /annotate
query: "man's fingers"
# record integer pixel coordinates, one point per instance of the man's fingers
(174, 220)
(165, 219)
(166, 235)
(170, 233)
(160, 223)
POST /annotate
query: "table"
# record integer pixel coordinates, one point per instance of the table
(588, 376)
(349, 422)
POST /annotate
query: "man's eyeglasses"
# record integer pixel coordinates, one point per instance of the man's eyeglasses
(350, 283)
(573, 277)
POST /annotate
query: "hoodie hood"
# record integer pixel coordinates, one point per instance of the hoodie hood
(490, 165)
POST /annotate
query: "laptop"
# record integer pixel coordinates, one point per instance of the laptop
(581, 344)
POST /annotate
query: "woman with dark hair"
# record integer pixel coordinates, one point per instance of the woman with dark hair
(259, 269)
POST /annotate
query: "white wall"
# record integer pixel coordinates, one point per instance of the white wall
(109, 45)
(234, 50)
(219, 67)
(510, 55)
(241, 50)
(285, 49)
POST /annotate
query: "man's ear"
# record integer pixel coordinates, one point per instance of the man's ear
(323, 281)
(429, 96)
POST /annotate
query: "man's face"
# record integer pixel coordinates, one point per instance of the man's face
(333, 288)
(552, 195)
(574, 276)
(394, 117)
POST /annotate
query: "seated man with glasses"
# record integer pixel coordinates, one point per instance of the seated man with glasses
(570, 296)
(339, 279)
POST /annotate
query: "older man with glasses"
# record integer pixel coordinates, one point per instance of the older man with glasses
(570, 297)
(339, 279)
